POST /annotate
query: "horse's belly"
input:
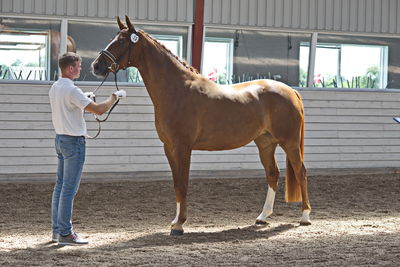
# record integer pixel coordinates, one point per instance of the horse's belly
(219, 146)
(230, 132)
(225, 141)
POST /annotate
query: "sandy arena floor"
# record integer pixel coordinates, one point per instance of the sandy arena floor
(356, 222)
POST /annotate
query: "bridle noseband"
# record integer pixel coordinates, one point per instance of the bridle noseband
(114, 67)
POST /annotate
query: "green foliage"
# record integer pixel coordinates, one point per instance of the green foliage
(32, 64)
(369, 80)
(5, 72)
(222, 78)
(17, 63)
(302, 78)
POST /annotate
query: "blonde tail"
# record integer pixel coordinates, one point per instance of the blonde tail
(293, 189)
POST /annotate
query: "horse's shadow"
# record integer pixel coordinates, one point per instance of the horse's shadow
(160, 239)
(232, 235)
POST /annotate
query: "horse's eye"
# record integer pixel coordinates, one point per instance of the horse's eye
(120, 41)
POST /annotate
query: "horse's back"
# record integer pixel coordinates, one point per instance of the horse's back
(270, 94)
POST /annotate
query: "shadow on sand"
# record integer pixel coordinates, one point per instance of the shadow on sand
(239, 234)
(160, 239)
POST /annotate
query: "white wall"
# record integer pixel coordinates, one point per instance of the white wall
(344, 129)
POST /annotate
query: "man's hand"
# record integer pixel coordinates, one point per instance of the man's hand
(90, 95)
(120, 94)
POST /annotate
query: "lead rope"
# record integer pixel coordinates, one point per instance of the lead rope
(99, 121)
(114, 68)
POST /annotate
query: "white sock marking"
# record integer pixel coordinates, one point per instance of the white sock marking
(305, 218)
(178, 208)
(268, 206)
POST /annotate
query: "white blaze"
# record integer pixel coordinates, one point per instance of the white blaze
(113, 41)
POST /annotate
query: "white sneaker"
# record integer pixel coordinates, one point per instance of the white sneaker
(54, 238)
(71, 240)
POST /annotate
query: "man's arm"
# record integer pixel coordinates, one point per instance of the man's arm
(101, 108)
(104, 106)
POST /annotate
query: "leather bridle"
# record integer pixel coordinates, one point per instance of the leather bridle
(114, 68)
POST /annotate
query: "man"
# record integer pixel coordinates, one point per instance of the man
(68, 103)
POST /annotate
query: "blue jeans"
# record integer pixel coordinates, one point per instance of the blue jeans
(71, 157)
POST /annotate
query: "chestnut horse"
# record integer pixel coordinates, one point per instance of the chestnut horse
(194, 113)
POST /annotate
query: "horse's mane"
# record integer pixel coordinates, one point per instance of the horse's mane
(213, 90)
(184, 63)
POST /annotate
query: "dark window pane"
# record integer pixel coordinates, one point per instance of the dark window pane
(256, 55)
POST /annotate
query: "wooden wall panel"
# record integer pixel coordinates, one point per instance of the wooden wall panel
(344, 129)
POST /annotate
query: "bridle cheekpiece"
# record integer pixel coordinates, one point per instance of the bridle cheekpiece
(114, 67)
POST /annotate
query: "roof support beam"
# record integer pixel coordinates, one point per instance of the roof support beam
(198, 31)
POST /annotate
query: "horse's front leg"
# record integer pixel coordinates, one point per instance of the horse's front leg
(179, 161)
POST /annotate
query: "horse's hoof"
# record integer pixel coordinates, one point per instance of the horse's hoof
(261, 223)
(175, 232)
(305, 223)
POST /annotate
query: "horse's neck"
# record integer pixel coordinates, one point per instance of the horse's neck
(163, 75)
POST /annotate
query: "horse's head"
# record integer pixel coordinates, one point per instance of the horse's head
(117, 54)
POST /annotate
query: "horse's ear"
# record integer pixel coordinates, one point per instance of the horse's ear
(129, 23)
(120, 24)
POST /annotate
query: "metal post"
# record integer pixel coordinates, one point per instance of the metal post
(311, 60)
(63, 40)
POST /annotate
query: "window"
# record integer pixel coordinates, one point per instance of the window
(23, 55)
(28, 49)
(217, 60)
(346, 65)
(353, 61)
(234, 56)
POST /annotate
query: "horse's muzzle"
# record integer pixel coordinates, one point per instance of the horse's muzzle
(99, 68)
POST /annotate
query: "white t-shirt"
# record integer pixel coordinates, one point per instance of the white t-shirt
(67, 103)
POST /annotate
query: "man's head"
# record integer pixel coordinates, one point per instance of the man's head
(70, 65)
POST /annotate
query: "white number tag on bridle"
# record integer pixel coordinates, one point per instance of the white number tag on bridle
(134, 38)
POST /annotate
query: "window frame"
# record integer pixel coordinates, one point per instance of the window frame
(383, 62)
(229, 61)
(313, 42)
(64, 26)
(63, 45)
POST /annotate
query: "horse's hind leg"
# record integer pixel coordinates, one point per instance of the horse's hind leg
(296, 163)
(266, 147)
(179, 161)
